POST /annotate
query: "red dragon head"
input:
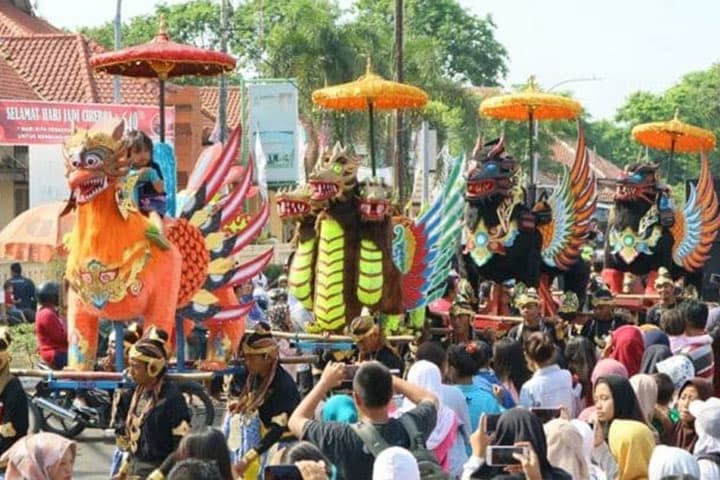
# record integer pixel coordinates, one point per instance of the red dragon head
(375, 200)
(95, 159)
(639, 182)
(297, 204)
(493, 172)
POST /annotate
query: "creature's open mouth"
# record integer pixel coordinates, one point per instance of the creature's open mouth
(292, 208)
(323, 190)
(625, 191)
(480, 188)
(89, 189)
(374, 211)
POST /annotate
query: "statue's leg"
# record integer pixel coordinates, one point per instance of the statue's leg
(163, 285)
(548, 306)
(82, 334)
(650, 286)
(614, 279)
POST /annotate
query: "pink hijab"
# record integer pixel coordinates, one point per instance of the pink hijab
(608, 366)
(34, 455)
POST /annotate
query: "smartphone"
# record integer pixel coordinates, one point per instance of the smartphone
(491, 421)
(282, 472)
(502, 455)
(350, 371)
(546, 414)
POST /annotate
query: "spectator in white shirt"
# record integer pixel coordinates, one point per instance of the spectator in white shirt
(550, 386)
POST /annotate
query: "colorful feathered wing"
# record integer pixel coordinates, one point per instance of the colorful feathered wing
(572, 204)
(423, 249)
(209, 214)
(696, 225)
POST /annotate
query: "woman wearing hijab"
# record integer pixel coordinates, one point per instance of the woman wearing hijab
(515, 426)
(684, 433)
(632, 444)
(652, 356)
(266, 396)
(427, 375)
(646, 392)
(672, 461)
(627, 347)
(707, 447)
(565, 448)
(606, 367)
(654, 336)
(614, 400)
(42, 456)
(587, 435)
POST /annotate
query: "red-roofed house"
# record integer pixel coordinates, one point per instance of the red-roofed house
(41, 62)
(604, 170)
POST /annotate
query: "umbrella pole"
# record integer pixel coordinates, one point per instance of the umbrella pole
(371, 133)
(162, 111)
(531, 157)
(671, 158)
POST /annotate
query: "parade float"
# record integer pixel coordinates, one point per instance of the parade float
(352, 253)
(119, 270)
(510, 232)
(647, 230)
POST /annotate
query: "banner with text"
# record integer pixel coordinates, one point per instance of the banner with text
(48, 123)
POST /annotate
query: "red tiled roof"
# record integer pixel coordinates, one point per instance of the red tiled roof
(602, 168)
(12, 84)
(16, 22)
(54, 65)
(209, 97)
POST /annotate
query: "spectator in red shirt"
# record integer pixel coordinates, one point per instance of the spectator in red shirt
(50, 328)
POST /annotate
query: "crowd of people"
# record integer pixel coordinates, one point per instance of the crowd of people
(593, 393)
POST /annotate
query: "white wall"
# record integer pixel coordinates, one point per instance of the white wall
(47, 175)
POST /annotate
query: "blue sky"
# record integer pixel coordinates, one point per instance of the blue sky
(626, 44)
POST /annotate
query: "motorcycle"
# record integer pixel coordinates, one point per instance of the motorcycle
(68, 407)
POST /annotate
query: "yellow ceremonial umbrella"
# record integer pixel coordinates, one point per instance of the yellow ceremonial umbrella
(674, 136)
(370, 92)
(529, 105)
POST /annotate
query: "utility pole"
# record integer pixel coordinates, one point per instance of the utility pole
(399, 157)
(222, 94)
(117, 98)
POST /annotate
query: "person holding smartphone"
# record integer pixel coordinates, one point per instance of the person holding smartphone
(494, 455)
(373, 388)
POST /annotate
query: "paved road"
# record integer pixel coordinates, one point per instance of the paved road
(95, 450)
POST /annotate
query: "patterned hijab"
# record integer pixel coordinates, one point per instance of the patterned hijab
(33, 456)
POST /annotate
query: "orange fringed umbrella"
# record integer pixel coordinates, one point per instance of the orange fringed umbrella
(530, 105)
(36, 235)
(370, 92)
(162, 58)
(674, 136)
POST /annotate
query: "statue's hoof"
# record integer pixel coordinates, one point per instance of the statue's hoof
(211, 365)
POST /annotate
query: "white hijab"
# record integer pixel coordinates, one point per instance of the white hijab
(427, 375)
(395, 462)
(667, 461)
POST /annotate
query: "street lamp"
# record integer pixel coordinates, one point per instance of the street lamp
(535, 159)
